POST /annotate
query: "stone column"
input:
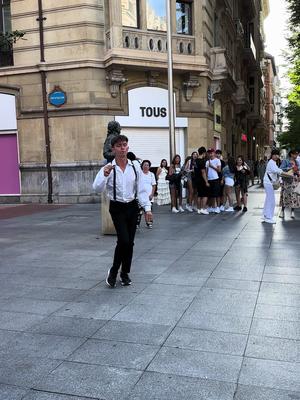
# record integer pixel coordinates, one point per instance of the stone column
(106, 221)
(115, 16)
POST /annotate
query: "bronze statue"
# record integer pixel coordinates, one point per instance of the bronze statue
(113, 129)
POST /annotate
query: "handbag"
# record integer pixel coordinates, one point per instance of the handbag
(275, 184)
(173, 178)
(297, 189)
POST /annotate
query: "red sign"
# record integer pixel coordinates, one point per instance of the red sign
(244, 137)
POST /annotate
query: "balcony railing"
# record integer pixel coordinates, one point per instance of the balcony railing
(156, 42)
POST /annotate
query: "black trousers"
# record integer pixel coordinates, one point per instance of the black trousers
(124, 216)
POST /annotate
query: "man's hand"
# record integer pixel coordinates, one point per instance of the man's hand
(207, 184)
(107, 170)
(148, 216)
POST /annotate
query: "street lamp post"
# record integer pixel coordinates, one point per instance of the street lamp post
(170, 82)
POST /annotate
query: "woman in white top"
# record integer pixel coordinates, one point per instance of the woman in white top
(150, 184)
(163, 190)
(271, 176)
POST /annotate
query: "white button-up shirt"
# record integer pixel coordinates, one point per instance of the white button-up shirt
(273, 171)
(127, 184)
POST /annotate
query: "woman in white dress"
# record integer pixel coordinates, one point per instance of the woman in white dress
(163, 190)
(271, 176)
(150, 184)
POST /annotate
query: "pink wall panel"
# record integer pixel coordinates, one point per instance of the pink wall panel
(9, 165)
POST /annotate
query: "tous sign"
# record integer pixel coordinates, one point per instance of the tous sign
(153, 112)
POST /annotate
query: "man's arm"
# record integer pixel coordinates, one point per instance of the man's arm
(100, 181)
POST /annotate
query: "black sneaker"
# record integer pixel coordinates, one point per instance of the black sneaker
(125, 280)
(237, 208)
(245, 209)
(111, 279)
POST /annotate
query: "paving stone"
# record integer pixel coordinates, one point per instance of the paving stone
(275, 328)
(200, 364)
(282, 313)
(272, 374)
(226, 273)
(273, 348)
(43, 307)
(46, 346)
(24, 371)
(134, 332)
(89, 310)
(171, 290)
(248, 285)
(282, 270)
(219, 342)
(68, 326)
(154, 386)
(215, 322)
(18, 321)
(280, 287)
(224, 301)
(163, 310)
(115, 354)
(279, 299)
(12, 392)
(38, 395)
(260, 393)
(91, 381)
(294, 279)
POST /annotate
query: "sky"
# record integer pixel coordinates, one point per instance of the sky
(276, 30)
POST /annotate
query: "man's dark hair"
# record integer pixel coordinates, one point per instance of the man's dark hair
(275, 152)
(218, 151)
(118, 139)
(292, 152)
(146, 161)
(201, 150)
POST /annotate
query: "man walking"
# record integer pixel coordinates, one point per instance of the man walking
(124, 184)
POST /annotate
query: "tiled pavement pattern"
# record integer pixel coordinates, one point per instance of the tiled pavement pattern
(213, 313)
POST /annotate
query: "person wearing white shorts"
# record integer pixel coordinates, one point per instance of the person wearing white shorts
(228, 175)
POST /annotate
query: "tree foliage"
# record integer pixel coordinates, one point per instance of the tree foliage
(291, 138)
(7, 39)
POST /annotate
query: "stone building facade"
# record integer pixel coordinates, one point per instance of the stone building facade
(107, 59)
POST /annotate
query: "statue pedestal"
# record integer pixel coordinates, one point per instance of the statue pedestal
(107, 224)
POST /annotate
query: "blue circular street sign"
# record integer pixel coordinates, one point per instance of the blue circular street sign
(57, 97)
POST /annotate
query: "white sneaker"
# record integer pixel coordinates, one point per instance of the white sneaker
(204, 211)
(174, 210)
(229, 209)
(217, 210)
(189, 208)
(181, 209)
(269, 221)
(292, 214)
(222, 208)
(210, 209)
(195, 208)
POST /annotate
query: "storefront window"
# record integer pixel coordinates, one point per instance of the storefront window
(184, 17)
(156, 15)
(130, 13)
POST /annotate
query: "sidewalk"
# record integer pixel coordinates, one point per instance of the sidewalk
(213, 312)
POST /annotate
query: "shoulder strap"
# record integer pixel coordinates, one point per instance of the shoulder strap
(114, 184)
(136, 180)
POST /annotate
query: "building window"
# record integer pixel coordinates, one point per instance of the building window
(130, 13)
(6, 54)
(156, 15)
(184, 17)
